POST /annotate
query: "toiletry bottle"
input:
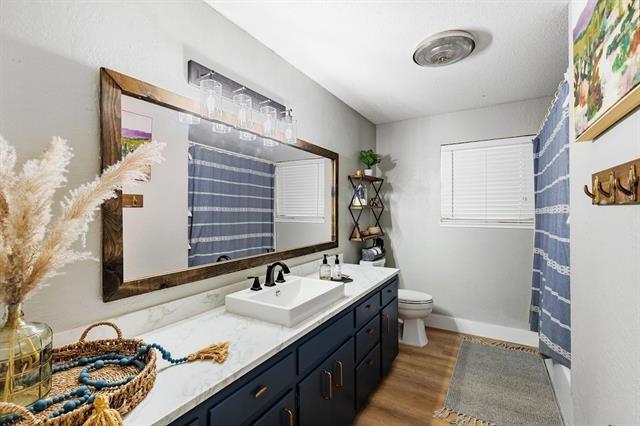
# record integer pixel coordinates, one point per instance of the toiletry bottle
(336, 271)
(325, 269)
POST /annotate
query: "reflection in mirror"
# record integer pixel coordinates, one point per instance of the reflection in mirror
(220, 194)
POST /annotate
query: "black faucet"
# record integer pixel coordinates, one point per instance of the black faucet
(269, 282)
(223, 257)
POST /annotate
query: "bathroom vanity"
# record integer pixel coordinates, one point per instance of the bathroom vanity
(321, 371)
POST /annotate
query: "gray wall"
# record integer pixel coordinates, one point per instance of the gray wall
(478, 274)
(50, 53)
(605, 287)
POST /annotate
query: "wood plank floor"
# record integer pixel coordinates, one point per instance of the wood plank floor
(417, 384)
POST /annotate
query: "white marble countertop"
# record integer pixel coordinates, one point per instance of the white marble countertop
(180, 388)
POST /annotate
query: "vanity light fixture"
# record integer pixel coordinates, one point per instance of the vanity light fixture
(246, 136)
(269, 119)
(185, 118)
(211, 94)
(220, 128)
(289, 126)
(243, 106)
(269, 143)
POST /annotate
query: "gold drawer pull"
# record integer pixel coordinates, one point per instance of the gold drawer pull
(261, 391)
(370, 362)
(330, 376)
(289, 413)
(340, 374)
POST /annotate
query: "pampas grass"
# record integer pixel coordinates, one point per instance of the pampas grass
(33, 249)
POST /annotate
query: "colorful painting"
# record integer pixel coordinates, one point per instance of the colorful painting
(136, 130)
(606, 57)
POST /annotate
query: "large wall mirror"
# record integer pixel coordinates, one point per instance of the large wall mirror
(223, 200)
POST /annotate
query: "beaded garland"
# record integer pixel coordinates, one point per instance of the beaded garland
(83, 393)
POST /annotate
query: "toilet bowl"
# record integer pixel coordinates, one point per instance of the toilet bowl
(413, 308)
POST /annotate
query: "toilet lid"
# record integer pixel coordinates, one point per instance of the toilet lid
(412, 296)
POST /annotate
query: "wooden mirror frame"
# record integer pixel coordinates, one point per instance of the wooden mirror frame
(112, 86)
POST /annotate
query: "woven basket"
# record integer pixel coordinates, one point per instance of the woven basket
(123, 398)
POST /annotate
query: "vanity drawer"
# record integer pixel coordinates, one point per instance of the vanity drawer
(389, 292)
(367, 309)
(255, 395)
(367, 338)
(367, 376)
(323, 343)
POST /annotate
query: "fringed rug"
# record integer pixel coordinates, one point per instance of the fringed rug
(497, 383)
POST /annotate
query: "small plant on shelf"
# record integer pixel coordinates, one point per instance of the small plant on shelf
(369, 158)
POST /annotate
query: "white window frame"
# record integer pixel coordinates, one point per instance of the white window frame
(321, 192)
(488, 223)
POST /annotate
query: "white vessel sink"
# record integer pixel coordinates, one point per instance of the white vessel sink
(286, 303)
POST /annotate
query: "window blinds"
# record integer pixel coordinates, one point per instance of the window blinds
(488, 183)
(300, 190)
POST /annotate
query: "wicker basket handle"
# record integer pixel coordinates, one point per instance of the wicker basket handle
(9, 408)
(92, 326)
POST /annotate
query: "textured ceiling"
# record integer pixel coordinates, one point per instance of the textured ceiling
(361, 50)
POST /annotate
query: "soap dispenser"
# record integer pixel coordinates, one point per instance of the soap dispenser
(325, 269)
(336, 271)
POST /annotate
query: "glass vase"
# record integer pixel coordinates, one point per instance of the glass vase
(25, 358)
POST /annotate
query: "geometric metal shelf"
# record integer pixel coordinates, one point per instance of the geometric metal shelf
(356, 211)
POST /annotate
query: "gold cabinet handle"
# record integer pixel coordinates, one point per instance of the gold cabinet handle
(330, 376)
(289, 414)
(261, 391)
(385, 320)
(340, 374)
(370, 331)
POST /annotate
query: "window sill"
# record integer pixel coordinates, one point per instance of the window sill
(499, 225)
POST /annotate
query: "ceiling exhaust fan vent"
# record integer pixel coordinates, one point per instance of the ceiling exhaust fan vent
(444, 48)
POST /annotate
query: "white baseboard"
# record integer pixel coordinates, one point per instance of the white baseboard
(561, 380)
(483, 329)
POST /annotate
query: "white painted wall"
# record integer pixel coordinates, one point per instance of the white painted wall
(156, 236)
(605, 283)
(478, 274)
(50, 53)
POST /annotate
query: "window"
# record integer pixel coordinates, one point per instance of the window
(488, 183)
(300, 191)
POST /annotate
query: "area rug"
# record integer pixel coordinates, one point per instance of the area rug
(499, 384)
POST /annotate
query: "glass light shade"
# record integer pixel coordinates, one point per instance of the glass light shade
(211, 95)
(270, 119)
(185, 118)
(220, 128)
(243, 106)
(269, 143)
(289, 124)
(246, 136)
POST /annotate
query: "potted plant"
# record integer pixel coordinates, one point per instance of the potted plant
(369, 158)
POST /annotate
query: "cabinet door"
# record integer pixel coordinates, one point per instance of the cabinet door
(283, 413)
(389, 333)
(327, 394)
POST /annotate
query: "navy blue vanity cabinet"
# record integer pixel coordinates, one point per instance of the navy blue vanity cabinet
(327, 394)
(389, 336)
(283, 413)
(323, 378)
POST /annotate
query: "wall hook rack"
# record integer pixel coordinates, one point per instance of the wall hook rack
(616, 185)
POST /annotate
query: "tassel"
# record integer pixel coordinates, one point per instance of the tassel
(217, 352)
(103, 415)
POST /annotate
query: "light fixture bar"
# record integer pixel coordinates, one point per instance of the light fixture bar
(230, 87)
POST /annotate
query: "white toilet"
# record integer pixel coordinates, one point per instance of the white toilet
(413, 308)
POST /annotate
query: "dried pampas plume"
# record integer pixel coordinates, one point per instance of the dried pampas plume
(32, 249)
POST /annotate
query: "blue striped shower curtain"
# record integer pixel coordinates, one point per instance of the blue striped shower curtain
(550, 312)
(230, 205)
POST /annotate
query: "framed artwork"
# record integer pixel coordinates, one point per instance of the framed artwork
(606, 65)
(136, 130)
